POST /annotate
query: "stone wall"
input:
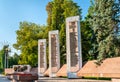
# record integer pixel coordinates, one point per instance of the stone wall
(9, 71)
(109, 68)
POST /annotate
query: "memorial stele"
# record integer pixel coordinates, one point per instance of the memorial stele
(54, 53)
(42, 60)
(73, 46)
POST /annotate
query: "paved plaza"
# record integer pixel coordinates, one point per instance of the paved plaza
(47, 79)
(3, 79)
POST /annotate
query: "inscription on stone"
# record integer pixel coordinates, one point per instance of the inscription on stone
(53, 50)
(54, 57)
(73, 44)
(41, 55)
(42, 60)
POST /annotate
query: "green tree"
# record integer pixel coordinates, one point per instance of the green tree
(13, 60)
(89, 33)
(1, 60)
(104, 28)
(57, 14)
(27, 42)
(49, 19)
(116, 15)
(86, 34)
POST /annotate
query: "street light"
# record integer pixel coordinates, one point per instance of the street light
(6, 50)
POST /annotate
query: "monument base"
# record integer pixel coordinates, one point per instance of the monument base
(72, 75)
(53, 75)
(115, 80)
(40, 75)
(47, 79)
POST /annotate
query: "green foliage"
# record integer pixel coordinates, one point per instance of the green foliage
(27, 42)
(91, 36)
(57, 14)
(97, 78)
(116, 15)
(86, 34)
(105, 28)
(1, 60)
(71, 9)
(49, 11)
(13, 60)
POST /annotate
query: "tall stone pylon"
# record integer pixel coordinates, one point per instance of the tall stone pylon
(42, 59)
(54, 53)
(73, 46)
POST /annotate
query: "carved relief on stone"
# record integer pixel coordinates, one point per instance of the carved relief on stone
(42, 55)
(53, 50)
(42, 60)
(73, 43)
(54, 61)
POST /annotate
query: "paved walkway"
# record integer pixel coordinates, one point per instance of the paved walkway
(68, 80)
(3, 79)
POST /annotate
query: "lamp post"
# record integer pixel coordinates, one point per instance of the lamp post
(6, 50)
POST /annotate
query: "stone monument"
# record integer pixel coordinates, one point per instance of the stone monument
(54, 53)
(73, 46)
(42, 60)
(21, 68)
(22, 73)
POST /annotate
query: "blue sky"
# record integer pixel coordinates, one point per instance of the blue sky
(14, 11)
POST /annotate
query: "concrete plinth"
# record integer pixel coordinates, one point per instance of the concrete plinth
(68, 80)
(115, 80)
